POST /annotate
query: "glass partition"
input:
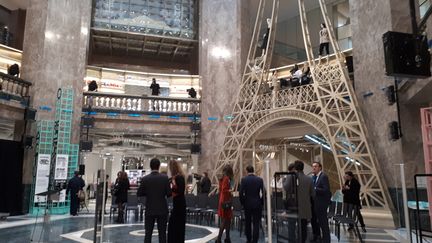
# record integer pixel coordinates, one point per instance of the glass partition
(174, 18)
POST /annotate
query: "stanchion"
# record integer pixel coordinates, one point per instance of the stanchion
(405, 201)
(269, 213)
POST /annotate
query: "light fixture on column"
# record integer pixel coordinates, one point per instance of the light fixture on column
(220, 52)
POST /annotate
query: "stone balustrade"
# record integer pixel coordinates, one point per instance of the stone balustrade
(139, 104)
(14, 86)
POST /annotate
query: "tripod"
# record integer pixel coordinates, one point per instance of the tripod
(50, 196)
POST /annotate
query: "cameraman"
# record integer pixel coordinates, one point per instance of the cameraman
(204, 184)
(192, 93)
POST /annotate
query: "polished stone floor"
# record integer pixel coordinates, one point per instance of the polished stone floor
(80, 229)
(65, 228)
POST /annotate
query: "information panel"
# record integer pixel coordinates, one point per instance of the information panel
(42, 176)
(61, 167)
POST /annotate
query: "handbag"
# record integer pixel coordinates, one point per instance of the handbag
(81, 195)
(115, 190)
(226, 205)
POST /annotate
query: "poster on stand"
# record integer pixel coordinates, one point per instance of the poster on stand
(61, 167)
(42, 176)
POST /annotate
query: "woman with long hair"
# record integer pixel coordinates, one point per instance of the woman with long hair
(225, 203)
(121, 188)
(177, 220)
(324, 39)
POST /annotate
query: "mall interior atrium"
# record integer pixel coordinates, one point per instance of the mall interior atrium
(218, 120)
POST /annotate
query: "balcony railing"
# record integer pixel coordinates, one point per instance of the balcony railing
(15, 87)
(106, 102)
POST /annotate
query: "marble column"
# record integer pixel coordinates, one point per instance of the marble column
(370, 19)
(55, 56)
(225, 32)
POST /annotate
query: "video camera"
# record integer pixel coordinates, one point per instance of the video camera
(192, 93)
(197, 176)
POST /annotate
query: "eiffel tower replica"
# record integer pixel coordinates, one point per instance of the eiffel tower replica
(328, 104)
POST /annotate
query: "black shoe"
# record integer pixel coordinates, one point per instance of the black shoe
(350, 227)
(363, 229)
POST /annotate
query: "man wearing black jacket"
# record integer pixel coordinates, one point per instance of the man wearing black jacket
(351, 191)
(319, 221)
(156, 188)
(252, 199)
(74, 186)
(204, 184)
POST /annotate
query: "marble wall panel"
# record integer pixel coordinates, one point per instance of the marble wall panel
(55, 52)
(370, 20)
(55, 56)
(222, 23)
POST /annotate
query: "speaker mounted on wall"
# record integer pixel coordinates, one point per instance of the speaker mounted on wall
(29, 114)
(195, 148)
(406, 55)
(394, 130)
(28, 141)
(196, 126)
(82, 169)
(87, 122)
(86, 146)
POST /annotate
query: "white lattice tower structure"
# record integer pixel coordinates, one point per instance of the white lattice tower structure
(345, 126)
(255, 73)
(328, 104)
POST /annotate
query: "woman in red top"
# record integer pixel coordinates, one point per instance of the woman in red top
(225, 197)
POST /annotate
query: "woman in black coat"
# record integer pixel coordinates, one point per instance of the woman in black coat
(121, 188)
(351, 192)
(177, 220)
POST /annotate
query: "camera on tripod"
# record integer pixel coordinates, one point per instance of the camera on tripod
(197, 176)
(192, 92)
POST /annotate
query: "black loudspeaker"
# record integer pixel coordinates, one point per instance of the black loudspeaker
(28, 141)
(391, 94)
(86, 146)
(81, 169)
(406, 55)
(394, 130)
(196, 127)
(195, 148)
(349, 63)
(88, 122)
(29, 114)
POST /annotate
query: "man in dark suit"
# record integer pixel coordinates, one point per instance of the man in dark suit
(156, 188)
(204, 184)
(319, 222)
(252, 199)
(305, 191)
(75, 185)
